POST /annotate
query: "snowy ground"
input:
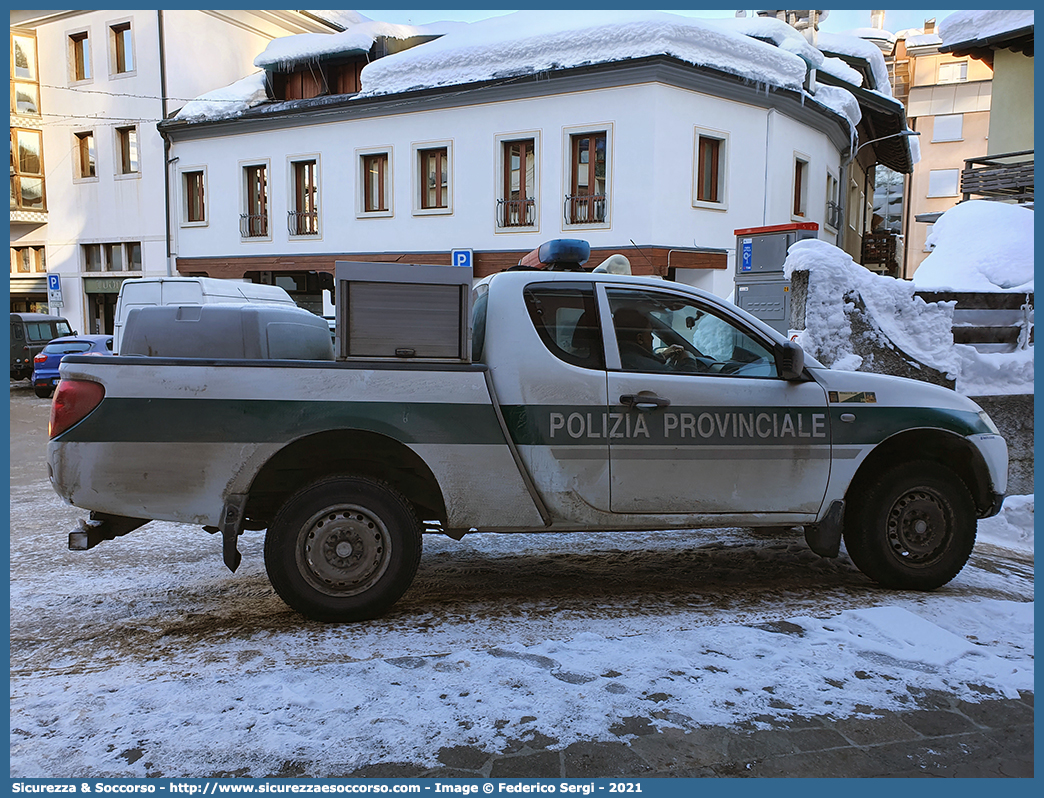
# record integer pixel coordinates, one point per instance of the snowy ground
(145, 656)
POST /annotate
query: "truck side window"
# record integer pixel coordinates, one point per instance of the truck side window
(566, 319)
(667, 333)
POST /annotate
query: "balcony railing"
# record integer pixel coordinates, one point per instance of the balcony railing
(302, 223)
(1007, 176)
(884, 250)
(253, 225)
(834, 215)
(586, 208)
(516, 213)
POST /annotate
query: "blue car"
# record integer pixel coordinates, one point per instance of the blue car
(45, 364)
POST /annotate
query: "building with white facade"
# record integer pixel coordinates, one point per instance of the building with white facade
(88, 178)
(647, 134)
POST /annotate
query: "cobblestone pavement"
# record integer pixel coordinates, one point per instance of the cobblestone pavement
(942, 737)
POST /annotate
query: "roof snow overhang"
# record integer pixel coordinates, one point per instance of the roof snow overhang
(883, 118)
(650, 69)
(1018, 41)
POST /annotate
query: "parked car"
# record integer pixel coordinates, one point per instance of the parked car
(29, 333)
(45, 364)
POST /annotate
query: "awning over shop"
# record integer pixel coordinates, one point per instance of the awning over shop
(23, 286)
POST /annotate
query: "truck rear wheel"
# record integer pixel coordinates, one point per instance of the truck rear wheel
(912, 528)
(343, 549)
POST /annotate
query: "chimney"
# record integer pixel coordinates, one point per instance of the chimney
(929, 25)
(877, 20)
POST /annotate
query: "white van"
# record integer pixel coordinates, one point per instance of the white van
(145, 291)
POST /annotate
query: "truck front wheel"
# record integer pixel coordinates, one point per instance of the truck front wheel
(343, 549)
(912, 528)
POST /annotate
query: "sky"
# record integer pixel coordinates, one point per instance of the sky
(837, 21)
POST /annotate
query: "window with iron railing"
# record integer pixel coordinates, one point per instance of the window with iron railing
(303, 218)
(835, 214)
(516, 206)
(253, 223)
(586, 208)
(516, 212)
(588, 200)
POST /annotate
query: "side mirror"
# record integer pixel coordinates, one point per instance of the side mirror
(791, 361)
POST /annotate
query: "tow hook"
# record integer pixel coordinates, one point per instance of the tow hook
(101, 527)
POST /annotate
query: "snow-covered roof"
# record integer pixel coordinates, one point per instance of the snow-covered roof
(762, 51)
(228, 100)
(842, 71)
(343, 19)
(923, 40)
(872, 34)
(286, 51)
(854, 47)
(530, 42)
(970, 26)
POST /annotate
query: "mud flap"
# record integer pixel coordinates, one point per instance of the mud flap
(231, 527)
(824, 538)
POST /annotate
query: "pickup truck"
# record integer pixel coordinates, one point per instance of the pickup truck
(541, 399)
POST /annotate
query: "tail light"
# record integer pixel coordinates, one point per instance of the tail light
(40, 358)
(73, 402)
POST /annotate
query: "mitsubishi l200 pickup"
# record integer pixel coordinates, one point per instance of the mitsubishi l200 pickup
(541, 399)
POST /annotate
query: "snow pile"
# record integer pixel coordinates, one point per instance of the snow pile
(228, 101)
(1012, 528)
(980, 245)
(526, 43)
(286, 51)
(921, 330)
(966, 26)
(994, 373)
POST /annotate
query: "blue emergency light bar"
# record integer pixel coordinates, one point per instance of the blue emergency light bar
(564, 250)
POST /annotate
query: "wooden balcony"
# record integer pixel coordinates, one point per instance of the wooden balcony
(882, 252)
(1007, 176)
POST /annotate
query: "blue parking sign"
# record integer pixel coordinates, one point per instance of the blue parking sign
(461, 257)
(54, 282)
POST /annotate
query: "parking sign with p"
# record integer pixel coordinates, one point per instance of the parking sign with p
(462, 257)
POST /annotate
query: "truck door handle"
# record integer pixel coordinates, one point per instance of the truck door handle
(644, 401)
